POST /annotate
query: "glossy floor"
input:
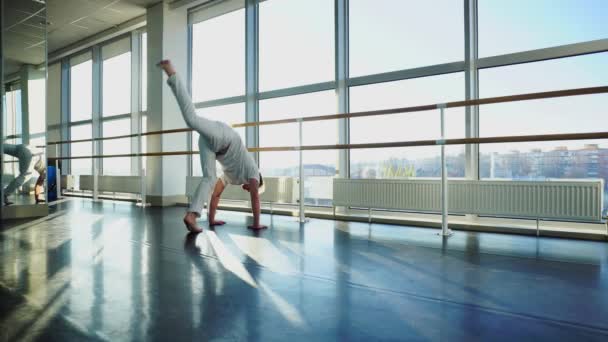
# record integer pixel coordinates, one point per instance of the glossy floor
(111, 271)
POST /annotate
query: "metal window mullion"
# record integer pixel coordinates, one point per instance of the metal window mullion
(252, 72)
(341, 79)
(406, 74)
(537, 55)
(471, 88)
(64, 129)
(136, 71)
(97, 109)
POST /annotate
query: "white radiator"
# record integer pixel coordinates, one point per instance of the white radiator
(277, 190)
(68, 182)
(120, 184)
(579, 200)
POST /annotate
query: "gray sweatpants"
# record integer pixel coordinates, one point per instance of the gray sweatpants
(26, 166)
(213, 139)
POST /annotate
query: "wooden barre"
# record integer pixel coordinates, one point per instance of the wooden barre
(490, 100)
(461, 141)
(177, 130)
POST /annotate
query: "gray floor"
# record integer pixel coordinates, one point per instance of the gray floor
(110, 271)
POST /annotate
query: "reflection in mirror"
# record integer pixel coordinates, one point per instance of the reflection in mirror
(23, 105)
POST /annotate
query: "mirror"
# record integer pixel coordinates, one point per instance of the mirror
(24, 69)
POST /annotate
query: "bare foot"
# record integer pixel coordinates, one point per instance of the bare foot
(217, 223)
(190, 222)
(166, 65)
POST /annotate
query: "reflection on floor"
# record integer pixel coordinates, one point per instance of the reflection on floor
(112, 271)
(21, 199)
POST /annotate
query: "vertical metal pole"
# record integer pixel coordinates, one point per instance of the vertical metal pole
(445, 230)
(143, 189)
(537, 227)
(97, 111)
(369, 215)
(252, 73)
(302, 217)
(142, 168)
(57, 173)
(95, 172)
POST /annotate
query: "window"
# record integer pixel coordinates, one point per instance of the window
(230, 114)
(408, 161)
(538, 24)
(577, 114)
(296, 43)
(117, 166)
(81, 88)
(12, 113)
(12, 127)
(395, 34)
(319, 166)
(81, 166)
(36, 106)
(218, 57)
(116, 81)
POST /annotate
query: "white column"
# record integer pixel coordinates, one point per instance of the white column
(167, 30)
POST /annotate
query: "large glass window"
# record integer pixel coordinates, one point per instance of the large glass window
(410, 161)
(12, 127)
(520, 25)
(230, 114)
(578, 114)
(117, 85)
(391, 35)
(319, 166)
(12, 113)
(218, 57)
(81, 166)
(117, 166)
(296, 43)
(81, 88)
(36, 106)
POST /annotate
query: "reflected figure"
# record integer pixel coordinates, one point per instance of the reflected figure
(220, 295)
(29, 160)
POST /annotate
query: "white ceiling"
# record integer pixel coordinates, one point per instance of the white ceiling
(74, 20)
(69, 21)
(23, 34)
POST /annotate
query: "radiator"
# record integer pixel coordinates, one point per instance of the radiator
(580, 200)
(120, 184)
(68, 182)
(277, 190)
